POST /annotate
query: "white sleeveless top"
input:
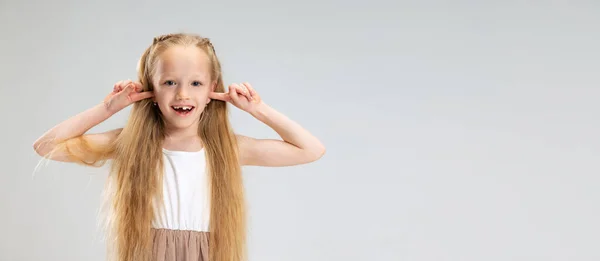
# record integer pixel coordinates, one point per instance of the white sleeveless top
(186, 204)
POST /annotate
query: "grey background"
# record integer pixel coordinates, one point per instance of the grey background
(463, 130)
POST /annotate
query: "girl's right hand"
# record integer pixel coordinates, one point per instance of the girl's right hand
(124, 94)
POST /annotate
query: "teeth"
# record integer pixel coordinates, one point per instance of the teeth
(183, 107)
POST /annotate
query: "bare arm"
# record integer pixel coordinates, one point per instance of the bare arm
(124, 93)
(298, 146)
(73, 127)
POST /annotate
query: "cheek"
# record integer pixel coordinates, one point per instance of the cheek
(162, 96)
(159, 96)
(201, 93)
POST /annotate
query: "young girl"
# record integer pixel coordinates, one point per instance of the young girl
(175, 186)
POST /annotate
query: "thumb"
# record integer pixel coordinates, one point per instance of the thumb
(137, 86)
(129, 88)
(126, 90)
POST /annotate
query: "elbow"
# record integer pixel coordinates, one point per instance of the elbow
(37, 148)
(41, 148)
(321, 152)
(317, 153)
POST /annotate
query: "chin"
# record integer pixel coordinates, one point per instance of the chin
(176, 122)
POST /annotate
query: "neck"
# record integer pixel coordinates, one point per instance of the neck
(174, 133)
(183, 139)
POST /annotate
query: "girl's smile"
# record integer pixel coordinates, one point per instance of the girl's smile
(183, 110)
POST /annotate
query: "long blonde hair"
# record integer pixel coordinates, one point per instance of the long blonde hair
(135, 180)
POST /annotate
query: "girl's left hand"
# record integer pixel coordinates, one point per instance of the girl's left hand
(242, 96)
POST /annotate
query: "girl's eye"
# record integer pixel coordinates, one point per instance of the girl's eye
(196, 83)
(169, 82)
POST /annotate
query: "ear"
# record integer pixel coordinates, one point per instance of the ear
(213, 85)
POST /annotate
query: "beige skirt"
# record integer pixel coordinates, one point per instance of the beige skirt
(179, 245)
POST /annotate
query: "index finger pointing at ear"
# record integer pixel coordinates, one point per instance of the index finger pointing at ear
(141, 95)
(219, 96)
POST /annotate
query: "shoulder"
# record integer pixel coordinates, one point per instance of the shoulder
(243, 140)
(245, 145)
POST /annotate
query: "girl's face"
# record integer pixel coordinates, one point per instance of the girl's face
(182, 84)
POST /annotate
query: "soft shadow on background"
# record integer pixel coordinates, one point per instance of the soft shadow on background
(463, 131)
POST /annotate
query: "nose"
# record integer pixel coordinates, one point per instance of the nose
(182, 93)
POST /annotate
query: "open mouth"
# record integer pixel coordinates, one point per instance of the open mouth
(183, 110)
